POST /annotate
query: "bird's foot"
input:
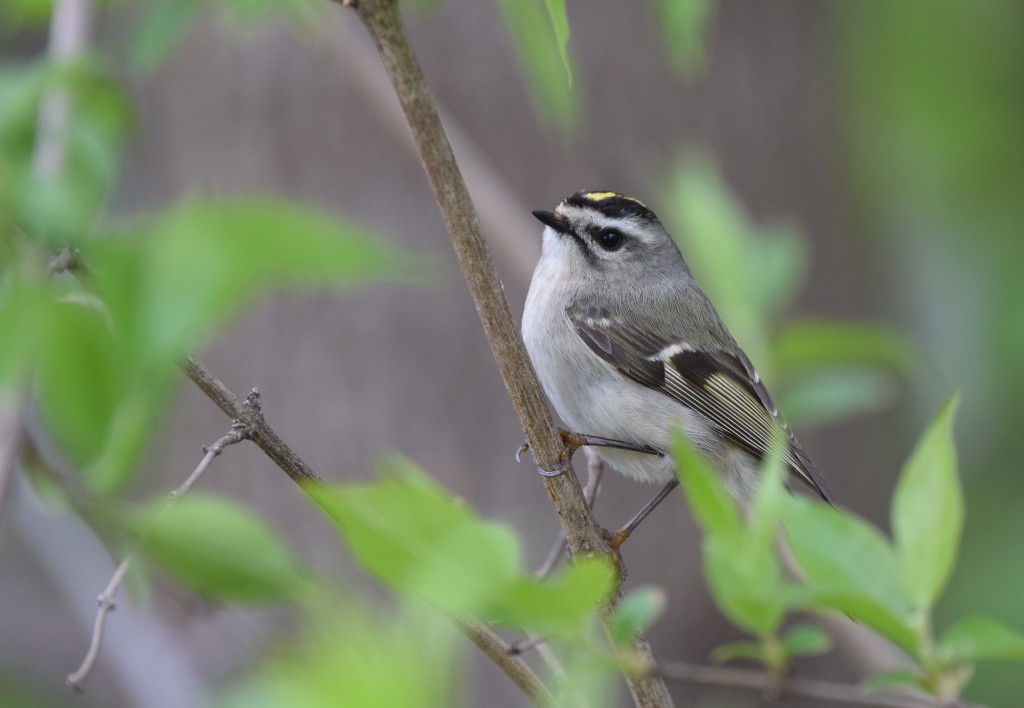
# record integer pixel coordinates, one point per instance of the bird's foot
(574, 441)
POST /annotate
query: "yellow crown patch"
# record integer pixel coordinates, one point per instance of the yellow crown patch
(601, 196)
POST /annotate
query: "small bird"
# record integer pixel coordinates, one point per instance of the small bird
(627, 347)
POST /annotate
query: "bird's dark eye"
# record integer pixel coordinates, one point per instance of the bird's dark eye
(609, 239)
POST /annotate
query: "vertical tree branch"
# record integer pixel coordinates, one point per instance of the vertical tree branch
(69, 36)
(381, 18)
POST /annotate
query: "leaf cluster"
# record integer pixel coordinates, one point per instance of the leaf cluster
(848, 566)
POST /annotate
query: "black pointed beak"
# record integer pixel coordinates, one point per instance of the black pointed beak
(558, 223)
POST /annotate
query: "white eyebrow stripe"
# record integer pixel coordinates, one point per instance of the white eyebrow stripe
(591, 217)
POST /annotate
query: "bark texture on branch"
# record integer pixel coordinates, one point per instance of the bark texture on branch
(381, 18)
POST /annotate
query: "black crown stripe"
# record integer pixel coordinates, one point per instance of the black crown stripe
(611, 204)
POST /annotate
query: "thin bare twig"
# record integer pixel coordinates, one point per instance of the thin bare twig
(768, 683)
(382, 20)
(107, 600)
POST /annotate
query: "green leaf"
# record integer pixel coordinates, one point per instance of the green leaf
(164, 23)
(544, 57)
(749, 272)
(635, 613)
(26, 13)
(712, 505)
(220, 549)
(355, 655)
(806, 640)
(928, 511)
(419, 540)
(839, 550)
(204, 260)
(850, 567)
(747, 587)
(60, 205)
(767, 505)
(416, 538)
(100, 403)
(80, 381)
(738, 650)
(24, 316)
(563, 605)
(822, 397)
(560, 25)
(683, 24)
(980, 639)
(816, 343)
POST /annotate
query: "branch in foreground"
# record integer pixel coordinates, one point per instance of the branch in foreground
(770, 684)
(503, 654)
(381, 18)
(496, 649)
(107, 599)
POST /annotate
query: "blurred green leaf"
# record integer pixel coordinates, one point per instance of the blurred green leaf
(219, 548)
(419, 540)
(560, 25)
(80, 382)
(767, 505)
(822, 397)
(413, 536)
(107, 364)
(354, 655)
(100, 402)
(810, 343)
(540, 39)
(744, 649)
(683, 25)
(749, 272)
(24, 311)
(25, 13)
(982, 639)
(712, 505)
(928, 511)
(806, 640)
(563, 605)
(163, 24)
(636, 612)
(739, 561)
(202, 261)
(61, 204)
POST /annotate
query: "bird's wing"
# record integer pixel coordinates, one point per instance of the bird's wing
(717, 382)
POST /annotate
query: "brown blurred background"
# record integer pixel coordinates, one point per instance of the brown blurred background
(794, 103)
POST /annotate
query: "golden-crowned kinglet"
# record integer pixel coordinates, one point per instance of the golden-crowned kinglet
(627, 346)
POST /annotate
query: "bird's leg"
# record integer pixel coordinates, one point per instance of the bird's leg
(574, 441)
(619, 537)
